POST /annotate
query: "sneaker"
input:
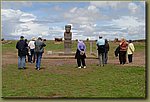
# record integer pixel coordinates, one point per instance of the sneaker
(84, 67)
(79, 67)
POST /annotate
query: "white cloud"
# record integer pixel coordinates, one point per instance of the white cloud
(73, 9)
(133, 7)
(103, 4)
(93, 9)
(110, 18)
(26, 17)
(8, 14)
(128, 22)
(84, 19)
(132, 25)
(16, 23)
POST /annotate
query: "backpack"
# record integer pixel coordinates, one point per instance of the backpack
(21, 45)
(101, 49)
(37, 46)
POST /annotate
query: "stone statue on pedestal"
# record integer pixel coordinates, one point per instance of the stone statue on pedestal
(67, 39)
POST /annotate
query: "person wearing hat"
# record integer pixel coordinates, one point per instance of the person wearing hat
(32, 47)
(39, 50)
(21, 46)
(130, 51)
(101, 50)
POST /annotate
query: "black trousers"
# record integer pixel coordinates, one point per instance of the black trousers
(81, 60)
(130, 58)
(122, 57)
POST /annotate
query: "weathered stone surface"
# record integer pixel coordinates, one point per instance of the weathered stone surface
(67, 39)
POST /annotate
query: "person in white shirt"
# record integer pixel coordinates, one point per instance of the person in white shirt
(130, 51)
(32, 47)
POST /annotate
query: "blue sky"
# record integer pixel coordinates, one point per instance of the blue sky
(111, 19)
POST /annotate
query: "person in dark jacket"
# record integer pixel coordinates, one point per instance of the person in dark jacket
(27, 51)
(39, 50)
(106, 50)
(117, 53)
(21, 46)
(80, 54)
(117, 50)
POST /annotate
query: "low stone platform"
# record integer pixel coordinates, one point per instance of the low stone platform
(62, 55)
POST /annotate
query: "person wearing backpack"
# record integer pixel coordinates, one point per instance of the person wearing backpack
(21, 46)
(39, 50)
(130, 51)
(123, 51)
(101, 50)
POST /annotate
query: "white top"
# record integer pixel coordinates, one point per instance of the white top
(130, 49)
(31, 44)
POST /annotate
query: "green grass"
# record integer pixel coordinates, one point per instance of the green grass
(9, 47)
(67, 81)
(111, 81)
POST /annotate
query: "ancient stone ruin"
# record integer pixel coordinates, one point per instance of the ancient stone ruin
(67, 39)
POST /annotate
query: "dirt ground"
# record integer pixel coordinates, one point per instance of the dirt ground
(139, 59)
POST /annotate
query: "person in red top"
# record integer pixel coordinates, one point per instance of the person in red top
(123, 51)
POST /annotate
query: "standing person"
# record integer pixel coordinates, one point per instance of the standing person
(106, 50)
(123, 51)
(101, 50)
(80, 54)
(39, 50)
(32, 47)
(21, 46)
(27, 51)
(130, 51)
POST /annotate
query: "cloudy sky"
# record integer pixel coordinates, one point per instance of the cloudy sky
(111, 19)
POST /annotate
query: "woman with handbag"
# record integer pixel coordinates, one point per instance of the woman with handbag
(80, 54)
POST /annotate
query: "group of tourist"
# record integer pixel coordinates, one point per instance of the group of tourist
(33, 50)
(124, 49)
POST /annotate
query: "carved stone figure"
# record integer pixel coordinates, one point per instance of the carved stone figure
(67, 39)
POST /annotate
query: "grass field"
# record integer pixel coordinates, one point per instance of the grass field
(63, 79)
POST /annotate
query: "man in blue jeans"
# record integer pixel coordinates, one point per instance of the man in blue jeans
(39, 50)
(21, 46)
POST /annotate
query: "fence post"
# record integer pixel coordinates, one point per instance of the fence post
(90, 47)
